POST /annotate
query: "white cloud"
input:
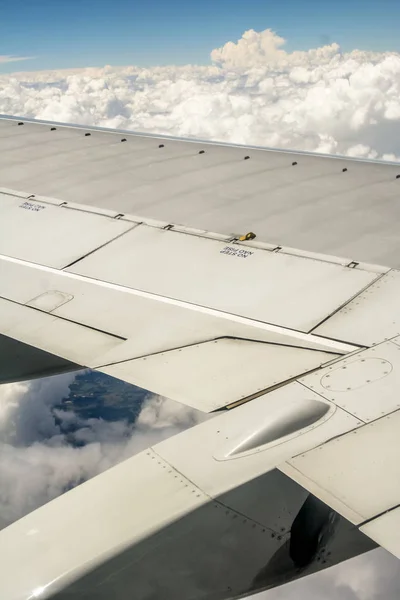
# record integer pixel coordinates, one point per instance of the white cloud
(256, 93)
(251, 50)
(265, 49)
(40, 459)
(7, 58)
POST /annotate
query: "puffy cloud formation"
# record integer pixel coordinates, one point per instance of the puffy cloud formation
(265, 49)
(39, 456)
(253, 49)
(256, 93)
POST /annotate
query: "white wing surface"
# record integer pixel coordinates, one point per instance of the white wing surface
(108, 260)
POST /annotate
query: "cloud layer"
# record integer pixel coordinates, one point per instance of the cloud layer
(45, 450)
(255, 93)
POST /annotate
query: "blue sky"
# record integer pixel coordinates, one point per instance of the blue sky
(77, 33)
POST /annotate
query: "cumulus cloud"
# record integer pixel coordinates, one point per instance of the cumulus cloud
(265, 48)
(45, 450)
(255, 93)
(251, 50)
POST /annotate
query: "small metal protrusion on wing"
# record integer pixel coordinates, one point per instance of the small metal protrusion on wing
(247, 237)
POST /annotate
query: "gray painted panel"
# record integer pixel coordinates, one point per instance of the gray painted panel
(271, 287)
(313, 205)
(52, 235)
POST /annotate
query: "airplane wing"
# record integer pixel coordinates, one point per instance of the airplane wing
(239, 281)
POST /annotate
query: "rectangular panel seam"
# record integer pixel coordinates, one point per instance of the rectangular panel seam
(332, 402)
(134, 225)
(227, 337)
(384, 512)
(338, 309)
(54, 316)
(221, 314)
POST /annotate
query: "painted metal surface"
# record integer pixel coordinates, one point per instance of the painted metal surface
(365, 384)
(384, 530)
(221, 524)
(51, 235)
(357, 473)
(50, 300)
(117, 509)
(216, 471)
(214, 374)
(150, 323)
(71, 341)
(284, 290)
(217, 190)
(284, 422)
(183, 544)
(61, 147)
(373, 316)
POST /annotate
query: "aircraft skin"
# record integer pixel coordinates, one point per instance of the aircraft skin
(284, 325)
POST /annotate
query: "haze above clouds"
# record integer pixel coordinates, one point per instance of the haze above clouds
(255, 93)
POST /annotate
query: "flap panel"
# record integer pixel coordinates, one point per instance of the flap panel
(371, 317)
(357, 474)
(282, 289)
(384, 530)
(217, 373)
(72, 341)
(50, 235)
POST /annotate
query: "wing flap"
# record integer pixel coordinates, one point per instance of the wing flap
(384, 530)
(73, 342)
(52, 235)
(217, 373)
(357, 473)
(286, 290)
(371, 317)
(199, 356)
